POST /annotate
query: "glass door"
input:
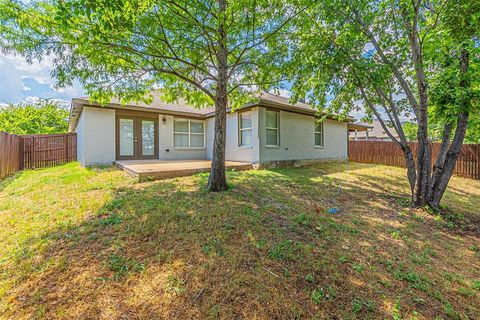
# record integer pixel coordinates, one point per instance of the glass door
(148, 145)
(137, 138)
(126, 139)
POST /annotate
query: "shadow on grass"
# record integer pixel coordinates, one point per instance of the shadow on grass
(5, 182)
(266, 248)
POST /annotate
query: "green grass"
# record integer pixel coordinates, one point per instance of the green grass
(93, 243)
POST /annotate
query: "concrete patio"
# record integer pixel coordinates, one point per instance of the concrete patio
(162, 169)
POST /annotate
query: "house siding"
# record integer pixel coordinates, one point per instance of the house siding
(167, 150)
(297, 139)
(233, 152)
(96, 139)
(96, 136)
(80, 130)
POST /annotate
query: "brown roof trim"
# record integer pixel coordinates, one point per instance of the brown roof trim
(359, 127)
(282, 107)
(78, 104)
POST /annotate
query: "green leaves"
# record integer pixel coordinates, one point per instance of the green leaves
(127, 48)
(44, 117)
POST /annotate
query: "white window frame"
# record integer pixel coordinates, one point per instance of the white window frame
(271, 128)
(240, 129)
(321, 133)
(189, 133)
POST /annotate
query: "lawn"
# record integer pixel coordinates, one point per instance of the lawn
(94, 244)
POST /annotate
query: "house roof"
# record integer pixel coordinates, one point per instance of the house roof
(376, 131)
(359, 126)
(181, 108)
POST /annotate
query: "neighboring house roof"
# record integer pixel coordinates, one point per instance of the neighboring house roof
(376, 132)
(181, 108)
(359, 126)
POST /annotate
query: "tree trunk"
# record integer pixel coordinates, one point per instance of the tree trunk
(442, 154)
(442, 177)
(217, 180)
(422, 186)
(411, 173)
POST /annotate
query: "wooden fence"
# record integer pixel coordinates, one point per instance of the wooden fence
(10, 154)
(389, 153)
(48, 150)
(35, 151)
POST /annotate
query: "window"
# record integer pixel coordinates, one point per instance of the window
(272, 128)
(245, 125)
(188, 133)
(318, 134)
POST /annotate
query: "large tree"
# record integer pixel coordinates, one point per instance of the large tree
(391, 56)
(42, 117)
(207, 52)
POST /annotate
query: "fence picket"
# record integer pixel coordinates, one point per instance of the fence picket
(35, 151)
(389, 153)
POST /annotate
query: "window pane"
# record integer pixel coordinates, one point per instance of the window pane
(181, 140)
(318, 139)
(180, 126)
(319, 127)
(272, 119)
(246, 120)
(126, 137)
(272, 137)
(196, 127)
(148, 138)
(196, 140)
(246, 137)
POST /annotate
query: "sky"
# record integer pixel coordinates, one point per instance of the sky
(20, 81)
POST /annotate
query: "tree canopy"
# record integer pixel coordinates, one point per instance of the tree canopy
(206, 52)
(126, 48)
(43, 117)
(400, 60)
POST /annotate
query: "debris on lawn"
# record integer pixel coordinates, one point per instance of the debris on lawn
(271, 272)
(334, 210)
(198, 295)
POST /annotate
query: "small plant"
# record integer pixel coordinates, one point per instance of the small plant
(303, 219)
(331, 293)
(213, 247)
(282, 251)
(123, 266)
(310, 278)
(475, 248)
(317, 296)
(358, 267)
(467, 292)
(358, 305)
(175, 285)
(320, 294)
(342, 259)
(111, 220)
(476, 285)
(397, 311)
(416, 281)
(214, 312)
(403, 201)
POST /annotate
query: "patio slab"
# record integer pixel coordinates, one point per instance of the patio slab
(162, 169)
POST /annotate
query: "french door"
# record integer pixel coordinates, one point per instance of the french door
(137, 138)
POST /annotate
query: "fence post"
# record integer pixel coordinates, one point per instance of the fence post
(65, 138)
(32, 153)
(21, 151)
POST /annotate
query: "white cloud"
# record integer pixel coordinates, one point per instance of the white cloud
(20, 80)
(32, 99)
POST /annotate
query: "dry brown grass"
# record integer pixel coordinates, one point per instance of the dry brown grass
(92, 244)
